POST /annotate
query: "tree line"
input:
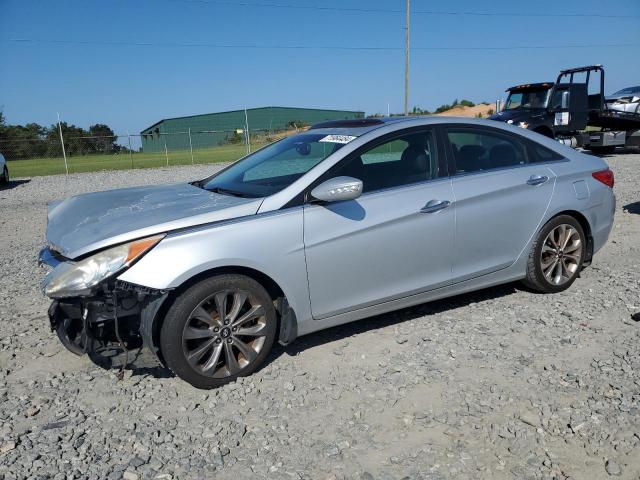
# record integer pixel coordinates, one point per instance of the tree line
(34, 140)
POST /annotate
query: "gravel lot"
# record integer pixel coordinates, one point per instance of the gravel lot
(498, 384)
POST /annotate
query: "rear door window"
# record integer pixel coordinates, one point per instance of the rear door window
(476, 150)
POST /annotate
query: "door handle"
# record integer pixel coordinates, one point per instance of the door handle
(537, 179)
(435, 206)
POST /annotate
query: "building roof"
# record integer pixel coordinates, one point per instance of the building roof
(248, 110)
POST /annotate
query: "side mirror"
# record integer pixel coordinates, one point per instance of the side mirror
(338, 189)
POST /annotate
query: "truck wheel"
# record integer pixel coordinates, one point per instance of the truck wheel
(217, 330)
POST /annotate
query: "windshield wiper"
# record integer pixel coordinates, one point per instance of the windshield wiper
(226, 191)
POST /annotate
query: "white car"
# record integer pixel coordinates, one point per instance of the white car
(4, 179)
(625, 100)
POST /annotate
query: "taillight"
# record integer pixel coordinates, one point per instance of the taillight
(604, 176)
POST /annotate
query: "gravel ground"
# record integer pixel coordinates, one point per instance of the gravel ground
(498, 384)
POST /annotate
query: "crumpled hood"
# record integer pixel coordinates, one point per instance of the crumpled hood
(84, 223)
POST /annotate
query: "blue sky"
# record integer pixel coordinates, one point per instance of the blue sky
(130, 87)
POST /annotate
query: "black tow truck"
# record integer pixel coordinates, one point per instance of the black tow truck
(566, 111)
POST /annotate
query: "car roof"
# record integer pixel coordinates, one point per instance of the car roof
(356, 126)
(366, 125)
(391, 124)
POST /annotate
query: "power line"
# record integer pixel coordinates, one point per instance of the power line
(309, 47)
(386, 10)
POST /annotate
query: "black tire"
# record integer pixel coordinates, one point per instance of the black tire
(5, 176)
(72, 336)
(174, 344)
(536, 279)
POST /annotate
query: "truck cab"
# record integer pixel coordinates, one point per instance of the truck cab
(527, 106)
(557, 109)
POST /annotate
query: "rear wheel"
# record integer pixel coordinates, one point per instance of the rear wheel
(5, 175)
(217, 330)
(556, 255)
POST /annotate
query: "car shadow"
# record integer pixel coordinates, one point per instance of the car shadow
(633, 207)
(142, 363)
(14, 184)
(377, 322)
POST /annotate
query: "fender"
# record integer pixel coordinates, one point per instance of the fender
(271, 244)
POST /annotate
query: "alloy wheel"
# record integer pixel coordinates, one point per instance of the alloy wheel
(561, 254)
(224, 333)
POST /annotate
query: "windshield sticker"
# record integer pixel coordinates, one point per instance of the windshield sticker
(337, 138)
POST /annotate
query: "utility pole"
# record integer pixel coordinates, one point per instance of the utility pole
(406, 60)
(246, 129)
(64, 153)
(190, 146)
(130, 152)
(166, 152)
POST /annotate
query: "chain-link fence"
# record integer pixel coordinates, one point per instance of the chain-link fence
(56, 154)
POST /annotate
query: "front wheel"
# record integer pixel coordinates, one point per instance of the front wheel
(556, 255)
(5, 176)
(217, 330)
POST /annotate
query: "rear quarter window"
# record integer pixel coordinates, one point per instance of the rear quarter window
(540, 154)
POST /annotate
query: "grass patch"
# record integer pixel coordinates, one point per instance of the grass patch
(90, 163)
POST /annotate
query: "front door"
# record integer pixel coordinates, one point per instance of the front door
(393, 241)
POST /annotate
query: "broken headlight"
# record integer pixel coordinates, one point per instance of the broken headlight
(77, 279)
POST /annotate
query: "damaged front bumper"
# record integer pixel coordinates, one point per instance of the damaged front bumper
(112, 315)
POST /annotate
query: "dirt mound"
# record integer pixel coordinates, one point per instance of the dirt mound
(461, 111)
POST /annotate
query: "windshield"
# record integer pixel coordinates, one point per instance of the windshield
(527, 99)
(276, 166)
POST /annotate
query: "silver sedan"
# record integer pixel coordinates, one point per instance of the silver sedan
(344, 221)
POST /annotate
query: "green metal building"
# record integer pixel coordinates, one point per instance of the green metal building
(213, 129)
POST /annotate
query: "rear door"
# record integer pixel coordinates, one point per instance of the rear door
(500, 198)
